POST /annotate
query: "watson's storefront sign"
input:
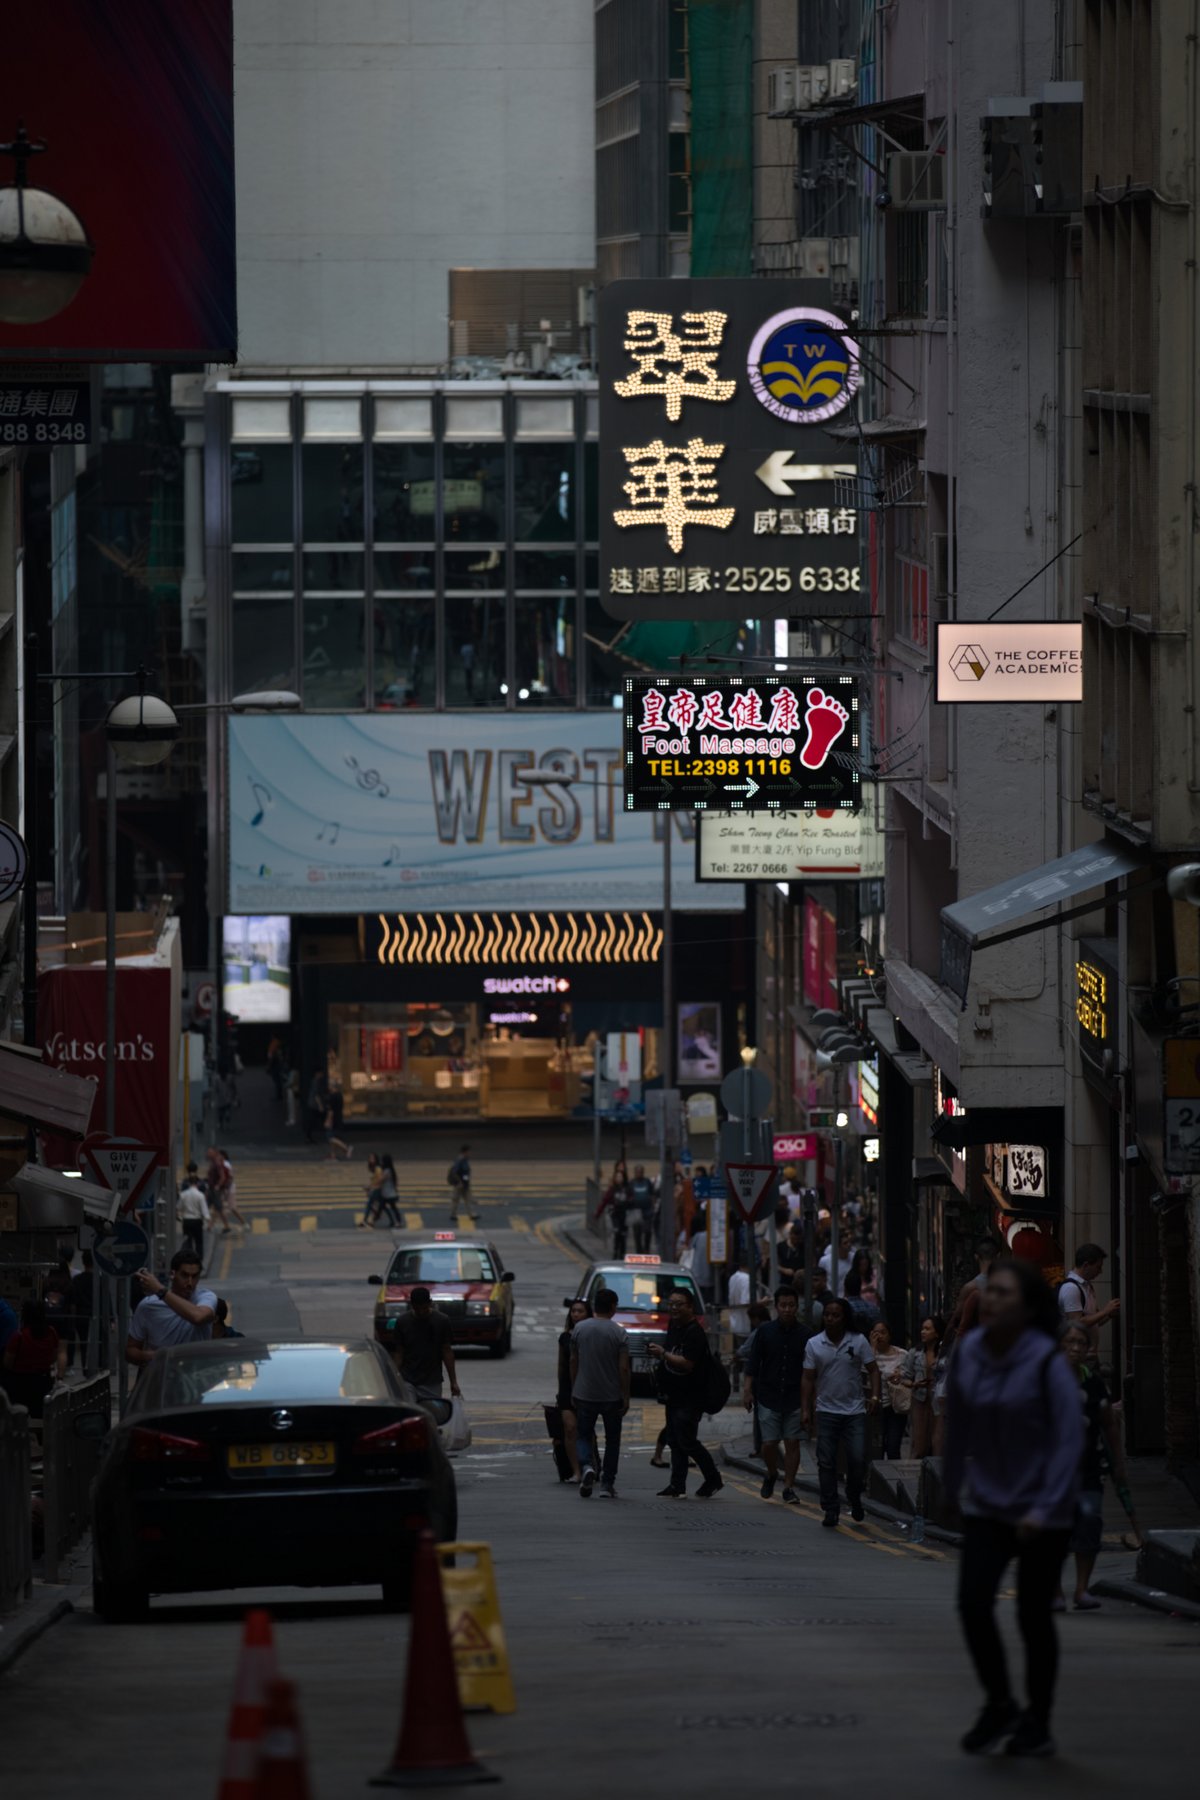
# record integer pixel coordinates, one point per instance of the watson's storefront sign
(1009, 663)
(717, 473)
(71, 1028)
(332, 813)
(822, 845)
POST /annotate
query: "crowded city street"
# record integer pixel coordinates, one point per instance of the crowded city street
(599, 897)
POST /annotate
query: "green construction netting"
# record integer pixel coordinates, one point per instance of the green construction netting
(720, 58)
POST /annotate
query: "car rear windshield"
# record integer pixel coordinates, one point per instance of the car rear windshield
(282, 1372)
(644, 1290)
(441, 1262)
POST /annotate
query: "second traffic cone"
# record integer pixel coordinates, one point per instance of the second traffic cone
(433, 1749)
(282, 1767)
(256, 1668)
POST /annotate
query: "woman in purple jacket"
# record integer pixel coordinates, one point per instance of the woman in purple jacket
(1013, 1445)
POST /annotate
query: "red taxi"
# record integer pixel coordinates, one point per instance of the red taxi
(643, 1286)
(467, 1281)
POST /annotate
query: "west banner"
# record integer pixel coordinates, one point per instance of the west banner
(340, 813)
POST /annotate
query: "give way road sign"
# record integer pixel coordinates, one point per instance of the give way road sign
(750, 1186)
(121, 1164)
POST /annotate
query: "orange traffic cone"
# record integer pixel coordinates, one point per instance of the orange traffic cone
(256, 1667)
(282, 1768)
(433, 1749)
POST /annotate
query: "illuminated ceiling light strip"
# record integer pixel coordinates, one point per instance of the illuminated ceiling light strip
(520, 938)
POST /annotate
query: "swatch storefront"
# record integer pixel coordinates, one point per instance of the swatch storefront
(466, 925)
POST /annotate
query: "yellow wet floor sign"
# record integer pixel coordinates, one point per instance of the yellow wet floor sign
(476, 1630)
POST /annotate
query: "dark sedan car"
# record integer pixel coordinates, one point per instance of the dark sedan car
(243, 1463)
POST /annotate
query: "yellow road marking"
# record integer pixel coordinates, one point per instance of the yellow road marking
(551, 1239)
(309, 1222)
(413, 1221)
(517, 1223)
(260, 1226)
(861, 1534)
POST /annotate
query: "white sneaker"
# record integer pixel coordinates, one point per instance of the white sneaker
(607, 1492)
(587, 1484)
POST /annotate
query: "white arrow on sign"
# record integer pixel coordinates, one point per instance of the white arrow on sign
(747, 787)
(749, 1186)
(779, 471)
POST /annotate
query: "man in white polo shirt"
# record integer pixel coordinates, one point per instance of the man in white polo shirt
(181, 1313)
(835, 1360)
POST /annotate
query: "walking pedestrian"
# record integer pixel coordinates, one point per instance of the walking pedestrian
(863, 1287)
(275, 1064)
(641, 1199)
(178, 1312)
(1014, 1443)
(459, 1177)
(683, 1364)
(33, 1356)
(835, 1361)
(316, 1106)
(576, 1313)
(221, 1326)
(616, 1202)
(215, 1180)
(422, 1347)
(843, 1261)
(1102, 1437)
(333, 1124)
(371, 1189)
(193, 1213)
(894, 1397)
(920, 1376)
(740, 1296)
(291, 1094)
(387, 1191)
(229, 1188)
(773, 1386)
(965, 1316)
(601, 1375)
(1077, 1300)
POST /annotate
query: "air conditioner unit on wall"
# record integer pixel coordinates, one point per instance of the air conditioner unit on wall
(812, 85)
(781, 92)
(843, 78)
(812, 258)
(917, 180)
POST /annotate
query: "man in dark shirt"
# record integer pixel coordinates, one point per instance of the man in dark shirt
(422, 1346)
(641, 1195)
(774, 1376)
(684, 1362)
(790, 1253)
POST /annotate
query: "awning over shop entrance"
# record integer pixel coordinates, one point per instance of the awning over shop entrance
(992, 917)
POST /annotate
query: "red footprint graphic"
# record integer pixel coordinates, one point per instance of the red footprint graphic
(826, 721)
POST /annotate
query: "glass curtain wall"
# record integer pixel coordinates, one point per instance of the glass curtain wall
(416, 550)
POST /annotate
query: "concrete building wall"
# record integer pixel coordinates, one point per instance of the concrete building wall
(381, 143)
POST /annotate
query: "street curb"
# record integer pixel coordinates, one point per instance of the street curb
(586, 1247)
(21, 1629)
(1153, 1599)
(888, 1515)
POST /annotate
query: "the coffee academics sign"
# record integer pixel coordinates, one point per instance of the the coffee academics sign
(1009, 664)
(718, 497)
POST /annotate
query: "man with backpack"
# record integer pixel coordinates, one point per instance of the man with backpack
(458, 1176)
(689, 1392)
(1077, 1300)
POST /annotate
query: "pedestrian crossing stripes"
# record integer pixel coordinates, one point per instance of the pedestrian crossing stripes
(268, 1187)
(332, 1218)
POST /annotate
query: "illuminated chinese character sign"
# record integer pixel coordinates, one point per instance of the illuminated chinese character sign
(717, 468)
(1095, 1004)
(740, 743)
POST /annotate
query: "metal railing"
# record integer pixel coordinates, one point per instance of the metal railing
(69, 1464)
(16, 1538)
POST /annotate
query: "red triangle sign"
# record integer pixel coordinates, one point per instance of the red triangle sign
(121, 1164)
(750, 1186)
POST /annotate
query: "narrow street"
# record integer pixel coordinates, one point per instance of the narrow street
(656, 1646)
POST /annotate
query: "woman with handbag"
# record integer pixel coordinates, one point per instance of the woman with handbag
(560, 1418)
(920, 1377)
(895, 1396)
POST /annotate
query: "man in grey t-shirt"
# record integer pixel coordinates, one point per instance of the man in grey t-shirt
(600, 1378)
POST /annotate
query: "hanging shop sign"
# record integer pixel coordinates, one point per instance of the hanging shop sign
(1181, 1106)
(718, 479)
(821, 844)
(1025, 1172)
(1095, 997)
(1010, 665)
(740, 744)
(45, 403)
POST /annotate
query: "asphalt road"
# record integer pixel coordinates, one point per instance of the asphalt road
(658, 1648)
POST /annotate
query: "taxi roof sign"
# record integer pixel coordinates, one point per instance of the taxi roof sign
(444, 1237)
(639, 1258)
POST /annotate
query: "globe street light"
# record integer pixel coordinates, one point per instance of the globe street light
(45, 252)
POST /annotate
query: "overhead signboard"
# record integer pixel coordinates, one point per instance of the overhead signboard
(718, 476)
(1096, 988)
(1010, 665)
(794, 1146)
(50, 403)
(761, 743)
(419, 813)
(819, 844)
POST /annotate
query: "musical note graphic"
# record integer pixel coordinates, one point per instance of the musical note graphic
(390, 861)
(263, 797)
(331, 831)
(370, 780)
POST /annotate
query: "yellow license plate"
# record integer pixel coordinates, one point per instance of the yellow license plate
(280, 1459)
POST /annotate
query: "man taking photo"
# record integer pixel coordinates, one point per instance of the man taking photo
(178, 1312)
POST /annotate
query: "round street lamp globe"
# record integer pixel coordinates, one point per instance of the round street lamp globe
(44, 255)
(141, 730)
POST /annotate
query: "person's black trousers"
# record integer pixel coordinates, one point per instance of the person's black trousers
(989, 1545)
(193, 1231)
(894, 1424)
(683, 1425)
